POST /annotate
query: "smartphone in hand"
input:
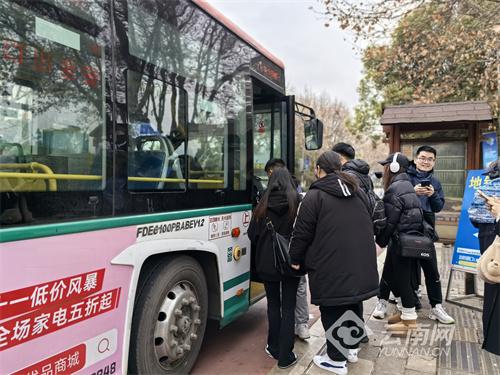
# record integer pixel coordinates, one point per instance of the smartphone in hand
(425, 183)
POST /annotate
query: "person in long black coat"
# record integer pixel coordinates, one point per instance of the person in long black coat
(489, 227)
(277, 205)
(333, 238)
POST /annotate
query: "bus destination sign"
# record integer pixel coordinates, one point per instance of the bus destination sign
(267, 69)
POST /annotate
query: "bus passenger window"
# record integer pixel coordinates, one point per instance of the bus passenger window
(217, 138)
(156, 134)
(51, 105)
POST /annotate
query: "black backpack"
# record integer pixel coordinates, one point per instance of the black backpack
(375, 206)
(378, 213)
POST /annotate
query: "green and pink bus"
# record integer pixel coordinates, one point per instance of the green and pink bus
(132, 134)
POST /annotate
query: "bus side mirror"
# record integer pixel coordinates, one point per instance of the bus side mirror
(313, 134)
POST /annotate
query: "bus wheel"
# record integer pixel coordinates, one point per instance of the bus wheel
(170, 317)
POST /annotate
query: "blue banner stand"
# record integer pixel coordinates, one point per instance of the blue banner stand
(466, 250)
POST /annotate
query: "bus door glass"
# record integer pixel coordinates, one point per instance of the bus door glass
(270, 132)
(269, 135)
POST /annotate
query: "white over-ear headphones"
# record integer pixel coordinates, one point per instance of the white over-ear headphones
(394, 166)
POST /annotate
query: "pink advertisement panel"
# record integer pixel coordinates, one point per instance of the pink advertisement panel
(62, 303)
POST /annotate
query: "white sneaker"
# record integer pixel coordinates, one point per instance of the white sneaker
(380, 309)
(302, 331)
(392, 298)
(418, 292)
(399, 304)
(324, 362)
(438, 313)
(352, 356)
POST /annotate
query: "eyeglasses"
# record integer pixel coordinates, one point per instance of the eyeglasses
(426, 160)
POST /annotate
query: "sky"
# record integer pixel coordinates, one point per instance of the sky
(315, 56)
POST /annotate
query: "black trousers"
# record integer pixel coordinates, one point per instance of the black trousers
(281, 299)
(397, 276)
(491, 304)
(384, 290)
(432, 280)
(330, 316)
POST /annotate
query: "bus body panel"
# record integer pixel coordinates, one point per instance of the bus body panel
(64, 258)
(82, 288)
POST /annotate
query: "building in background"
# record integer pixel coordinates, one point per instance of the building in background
(457, 131)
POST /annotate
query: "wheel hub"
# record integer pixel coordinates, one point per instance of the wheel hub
(185, 324)
(177, 324)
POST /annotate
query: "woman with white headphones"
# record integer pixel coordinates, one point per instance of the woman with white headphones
(404, 214)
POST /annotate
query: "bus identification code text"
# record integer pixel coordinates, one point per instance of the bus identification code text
(152, 230)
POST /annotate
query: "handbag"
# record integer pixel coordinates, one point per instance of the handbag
(488, 265)
(416, 245)
(282, 260)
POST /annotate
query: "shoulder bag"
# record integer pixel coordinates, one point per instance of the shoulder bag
(415, 245)
(282, 260)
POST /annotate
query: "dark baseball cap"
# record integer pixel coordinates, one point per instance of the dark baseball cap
(401, 159)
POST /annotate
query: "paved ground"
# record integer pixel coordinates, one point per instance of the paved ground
(432, 349)
(239, 347)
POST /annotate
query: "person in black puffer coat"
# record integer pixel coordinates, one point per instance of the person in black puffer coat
(333, 238)
(356, 167)
(279, 205)
(404, 214)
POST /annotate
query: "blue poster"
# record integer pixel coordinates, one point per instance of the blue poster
(490, 148)
(466, 252)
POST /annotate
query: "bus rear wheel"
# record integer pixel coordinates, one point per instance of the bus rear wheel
(169, 320)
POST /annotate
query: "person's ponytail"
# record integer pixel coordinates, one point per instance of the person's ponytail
(349, 180)
(330, 162)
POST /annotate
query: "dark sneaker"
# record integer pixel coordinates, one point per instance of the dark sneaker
(290, 364)
(266, 349)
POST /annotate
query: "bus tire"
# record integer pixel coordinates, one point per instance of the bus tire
(170, 316)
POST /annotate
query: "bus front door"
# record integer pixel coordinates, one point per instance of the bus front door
(273, 137)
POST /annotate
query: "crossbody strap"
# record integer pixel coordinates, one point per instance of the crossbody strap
(269, 225)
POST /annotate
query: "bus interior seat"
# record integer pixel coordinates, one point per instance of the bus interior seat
(146, 164)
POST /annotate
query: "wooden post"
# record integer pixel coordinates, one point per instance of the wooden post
(396, 138)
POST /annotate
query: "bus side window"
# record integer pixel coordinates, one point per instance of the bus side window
(217, 138)
(155, 129)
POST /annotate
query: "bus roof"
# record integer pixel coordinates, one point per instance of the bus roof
(203, 4)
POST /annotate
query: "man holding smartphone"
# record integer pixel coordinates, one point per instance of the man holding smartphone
(430, 193)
